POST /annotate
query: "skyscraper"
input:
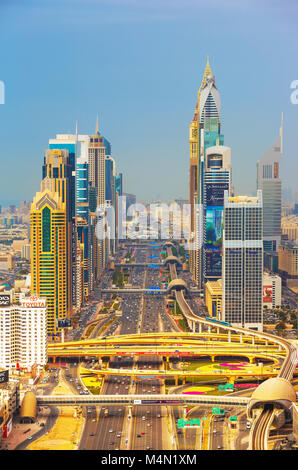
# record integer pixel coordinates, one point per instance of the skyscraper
(69, 142)
(268, 180)
(193, 171)
(96, 164)
(204, 133)
(242, 301)
(57, 171)
(49, 252)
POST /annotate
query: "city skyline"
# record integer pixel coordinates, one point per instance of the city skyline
(149, 276)
(144, 79)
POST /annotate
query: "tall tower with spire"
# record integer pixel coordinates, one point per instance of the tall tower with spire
(97, 150)
(204, 132)
(193, 168)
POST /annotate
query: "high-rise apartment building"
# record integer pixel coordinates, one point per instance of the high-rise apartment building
(49, 277)
(242, 300)
(57, 175)
(268, 180)
(96, 164)
(23, 334)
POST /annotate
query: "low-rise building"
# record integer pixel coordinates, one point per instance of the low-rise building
(213, 298)
(271, 290)
(289, 226)
(9, 403)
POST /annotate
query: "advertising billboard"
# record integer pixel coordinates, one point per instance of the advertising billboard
(214, 200)
(214, 225)
(214, 193)
(4, 300)
(4, 376)
(213, 240)
(267, 294)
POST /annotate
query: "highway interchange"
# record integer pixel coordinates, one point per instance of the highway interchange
(144, 427)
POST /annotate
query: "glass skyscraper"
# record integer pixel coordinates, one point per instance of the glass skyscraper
(268, 180)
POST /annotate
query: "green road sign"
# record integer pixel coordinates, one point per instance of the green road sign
(218, 411)
(225, 387)
(233, 418)
(188, 423)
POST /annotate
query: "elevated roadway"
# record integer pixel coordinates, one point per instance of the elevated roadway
(263, 422)
(258, 373)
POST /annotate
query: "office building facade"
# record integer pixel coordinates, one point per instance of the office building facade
(268, 180)
(242, 280)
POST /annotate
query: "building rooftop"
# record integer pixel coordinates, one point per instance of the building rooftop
(245, 199)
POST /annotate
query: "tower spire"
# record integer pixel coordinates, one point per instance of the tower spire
(96, 127)
(207, 72)
(281, 132)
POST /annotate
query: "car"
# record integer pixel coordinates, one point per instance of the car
(111, 443)
(29, 437)
(139, 435)
(111, 430)
(118, 434)
(91, 434)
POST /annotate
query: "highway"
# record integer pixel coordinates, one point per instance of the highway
(261, 425)
(147, 428)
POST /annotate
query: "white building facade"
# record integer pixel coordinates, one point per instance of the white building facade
(242, 302)
(23, 334)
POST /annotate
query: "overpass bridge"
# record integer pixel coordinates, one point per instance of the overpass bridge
(134, 290)
(172, 400)
(132, 265)
(259, 373)
(280, 394)
(131, 290)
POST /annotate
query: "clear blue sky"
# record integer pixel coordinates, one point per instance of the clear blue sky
(138, 65)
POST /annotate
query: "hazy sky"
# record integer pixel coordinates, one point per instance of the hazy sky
(138, 65)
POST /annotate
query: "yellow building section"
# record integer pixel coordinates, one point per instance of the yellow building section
(213, 298)
(48, 254)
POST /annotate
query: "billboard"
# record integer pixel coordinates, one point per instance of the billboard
(4, 376)
(214, 225)
(4, 300)
(213, 240)
(214, 201)
(267, 294)
(214, 193)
